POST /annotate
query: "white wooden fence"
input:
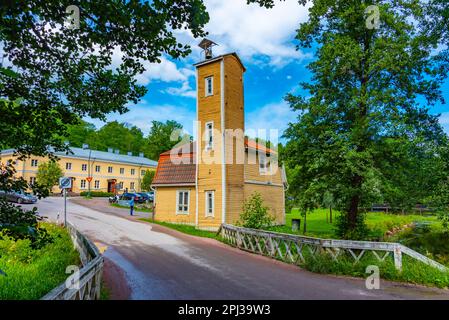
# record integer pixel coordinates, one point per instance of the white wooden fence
(293, 248)
(86, 284)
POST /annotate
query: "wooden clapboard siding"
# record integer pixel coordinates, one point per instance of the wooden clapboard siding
(234, 122)
(209, 168)
(252, 170)
(273, 197)
(166, 205)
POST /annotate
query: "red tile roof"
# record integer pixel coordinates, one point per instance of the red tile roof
(178, 172)
(183, 171)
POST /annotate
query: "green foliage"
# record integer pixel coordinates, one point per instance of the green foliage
(32, 272)
(62, 79)
(255, 214)
(96, 194)
(363, 132)
(48, 174)
(163, 137)
(147, 180)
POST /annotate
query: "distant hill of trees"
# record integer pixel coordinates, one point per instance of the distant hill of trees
(126, 137)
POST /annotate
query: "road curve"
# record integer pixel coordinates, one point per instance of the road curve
(145, 261)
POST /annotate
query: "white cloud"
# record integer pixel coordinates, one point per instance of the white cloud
(253, 31)
(184, 91)
(142, 114)
(271, 116)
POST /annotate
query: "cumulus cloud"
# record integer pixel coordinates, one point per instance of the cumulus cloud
(254, 32)
(143, 113)
(270, 116)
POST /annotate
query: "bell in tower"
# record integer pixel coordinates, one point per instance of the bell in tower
(207, 45)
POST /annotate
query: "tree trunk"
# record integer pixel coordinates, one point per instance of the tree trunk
(353, 212)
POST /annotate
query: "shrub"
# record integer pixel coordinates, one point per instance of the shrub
(255, 214)
(96, 194)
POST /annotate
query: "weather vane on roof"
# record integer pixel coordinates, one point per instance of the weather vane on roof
(207, 45)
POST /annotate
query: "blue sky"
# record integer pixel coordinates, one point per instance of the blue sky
(264, 40)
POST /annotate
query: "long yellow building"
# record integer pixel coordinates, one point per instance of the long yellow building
(108, 171)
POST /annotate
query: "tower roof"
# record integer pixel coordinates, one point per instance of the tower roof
(218, 58)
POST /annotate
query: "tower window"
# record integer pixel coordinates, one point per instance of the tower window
(210, 202)
(209, 135)
(209, 85)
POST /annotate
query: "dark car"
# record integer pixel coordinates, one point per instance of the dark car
(18, 197)
(128, 195)
(148, 196)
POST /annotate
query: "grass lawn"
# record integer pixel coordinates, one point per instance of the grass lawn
(32, 273)
(136, 208)
(185, 229)
(378, 222)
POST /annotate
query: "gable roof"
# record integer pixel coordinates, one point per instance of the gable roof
(100, 156)
(182, 171)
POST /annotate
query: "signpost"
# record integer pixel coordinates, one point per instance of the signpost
(64, 184)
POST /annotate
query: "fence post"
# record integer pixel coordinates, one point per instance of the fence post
(398, 258)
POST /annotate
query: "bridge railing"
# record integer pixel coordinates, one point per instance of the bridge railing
(85, 284)
(294, 248)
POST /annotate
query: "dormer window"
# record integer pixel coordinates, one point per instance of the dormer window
(209, 135)
(209, 86)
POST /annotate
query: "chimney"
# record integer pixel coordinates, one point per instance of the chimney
(117, 151)
(130, 153)
(110, 150)
(85, 146)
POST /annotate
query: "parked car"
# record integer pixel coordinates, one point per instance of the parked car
(128, 195)
(148, 196)
(18, 197)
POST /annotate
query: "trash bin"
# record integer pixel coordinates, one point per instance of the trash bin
(296, 224)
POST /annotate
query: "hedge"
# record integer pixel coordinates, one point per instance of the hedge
(97, 194)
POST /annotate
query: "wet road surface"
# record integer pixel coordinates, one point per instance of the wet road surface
(145, 261)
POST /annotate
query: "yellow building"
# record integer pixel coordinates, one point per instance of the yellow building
(109, 171)
(206, 182)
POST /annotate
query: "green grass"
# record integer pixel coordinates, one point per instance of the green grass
(32, 273)
(136, 208)
(184, 228)
(378, 223)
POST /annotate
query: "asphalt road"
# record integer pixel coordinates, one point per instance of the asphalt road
(145, 261)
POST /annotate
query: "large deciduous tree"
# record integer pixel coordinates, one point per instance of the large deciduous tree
(48, 174)
(163, 137)
(364, 121)
(53, 73)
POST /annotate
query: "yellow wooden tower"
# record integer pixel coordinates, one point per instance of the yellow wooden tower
(220, 142)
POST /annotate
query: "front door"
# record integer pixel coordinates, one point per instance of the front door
(111, 186)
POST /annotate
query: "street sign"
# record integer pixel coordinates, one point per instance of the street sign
(65, 183)
(89, 179)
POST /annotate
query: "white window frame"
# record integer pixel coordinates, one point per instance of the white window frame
(32, 180)
(97, 167)
(132, 185)
(110, 169)
(122, 170)
(266, 168)
(133, 172)
(95, 184)
(34, 162)
(68, 166)
(206, 206)
(208, 93)
(84, 167)
(83, 184)
(178, 192)
(209, 135)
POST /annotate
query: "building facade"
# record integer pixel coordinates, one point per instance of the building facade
(108, 171)
(205, 183)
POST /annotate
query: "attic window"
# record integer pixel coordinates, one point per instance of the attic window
(264, 165)
(209, 86)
